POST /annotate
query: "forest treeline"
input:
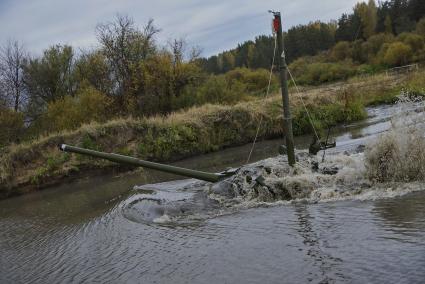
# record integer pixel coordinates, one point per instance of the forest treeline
(392, 17)
(130, 74)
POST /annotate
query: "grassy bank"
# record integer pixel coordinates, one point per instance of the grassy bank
(31, 166)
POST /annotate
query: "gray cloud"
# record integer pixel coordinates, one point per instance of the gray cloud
(213, 25)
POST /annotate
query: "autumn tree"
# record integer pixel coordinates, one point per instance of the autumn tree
(167, 75)
(51, 76)
(185, 69)
(124, 47)
(91, 69)
(368, 16)
(12, 59)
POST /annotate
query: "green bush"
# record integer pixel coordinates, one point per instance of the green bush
(11, 125)
(71, 112)
(230, 88)
(300, 65)
(318, 73)
(217, 89)
(416, 42)
(360, 51)
(324, 116)
(374, 45)
(376, 41)
(341, 51)
(353, 111)
(396, 54)
(89, 143)
(54, 162)
(254, 81)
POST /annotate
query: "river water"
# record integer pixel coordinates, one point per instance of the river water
(83, 232)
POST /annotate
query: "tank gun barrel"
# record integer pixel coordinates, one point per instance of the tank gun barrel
(121, 159)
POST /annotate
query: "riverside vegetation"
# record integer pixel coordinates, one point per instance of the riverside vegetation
(135, 97)
(202, 129)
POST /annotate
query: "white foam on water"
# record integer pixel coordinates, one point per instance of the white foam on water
(392, 165)
(399, 154)
(164, 219)
(282, 182)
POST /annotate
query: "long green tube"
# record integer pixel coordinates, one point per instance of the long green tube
(121, 159)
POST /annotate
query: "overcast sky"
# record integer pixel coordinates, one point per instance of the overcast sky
(214, 25)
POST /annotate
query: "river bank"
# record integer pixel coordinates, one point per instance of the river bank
(36, 165)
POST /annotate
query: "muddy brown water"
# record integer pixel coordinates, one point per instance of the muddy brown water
(79, 232)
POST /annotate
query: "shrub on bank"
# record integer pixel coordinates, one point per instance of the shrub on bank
(396, 54)
(416, 42)
(325, 116)
(230, 88)
(71, 112)
(341, 51)
(11, 125)
(254, 81)
(218, 90)
(319, 73)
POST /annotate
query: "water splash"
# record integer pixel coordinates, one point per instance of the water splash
(183, 202)
(399, 154)
(392, 165)
(273, 180)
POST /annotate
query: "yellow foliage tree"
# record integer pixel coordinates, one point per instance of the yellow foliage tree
(368, 15)
(71, 112)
